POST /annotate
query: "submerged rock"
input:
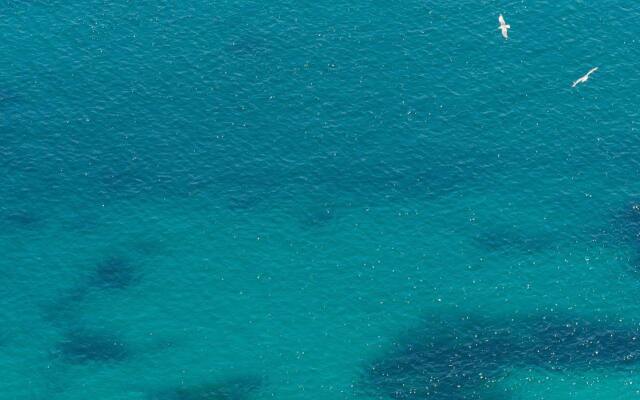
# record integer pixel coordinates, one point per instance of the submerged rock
(624, 229)
(111, 273)
(115, 273)
(464, 359)
(626, 224)
(83, 346)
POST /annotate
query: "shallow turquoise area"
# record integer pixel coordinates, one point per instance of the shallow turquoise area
(319, 200)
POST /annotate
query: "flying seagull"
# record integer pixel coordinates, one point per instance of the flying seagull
(504, 27)
(584, 78)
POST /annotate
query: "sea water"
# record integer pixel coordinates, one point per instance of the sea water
(319, 200)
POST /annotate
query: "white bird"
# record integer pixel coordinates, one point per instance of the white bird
(584, 78)
(504, 27)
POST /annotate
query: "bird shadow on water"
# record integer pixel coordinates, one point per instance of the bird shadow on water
(455, 359)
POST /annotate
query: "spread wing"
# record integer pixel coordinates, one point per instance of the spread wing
(501, 20)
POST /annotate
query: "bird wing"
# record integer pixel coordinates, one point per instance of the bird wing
(592, 70)
(505, 33)
(581, 80)
(501, 20)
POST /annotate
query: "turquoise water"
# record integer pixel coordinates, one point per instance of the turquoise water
(319, 200)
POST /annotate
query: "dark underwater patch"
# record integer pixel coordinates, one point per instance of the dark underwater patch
(464, 359)
(626, 224)
(112, 273)
(235, 388)
(624, 229)
(634, 264)
(115, 273)
(84, 346)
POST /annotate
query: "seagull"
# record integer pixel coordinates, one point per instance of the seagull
(584, 78)
(504, 27)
